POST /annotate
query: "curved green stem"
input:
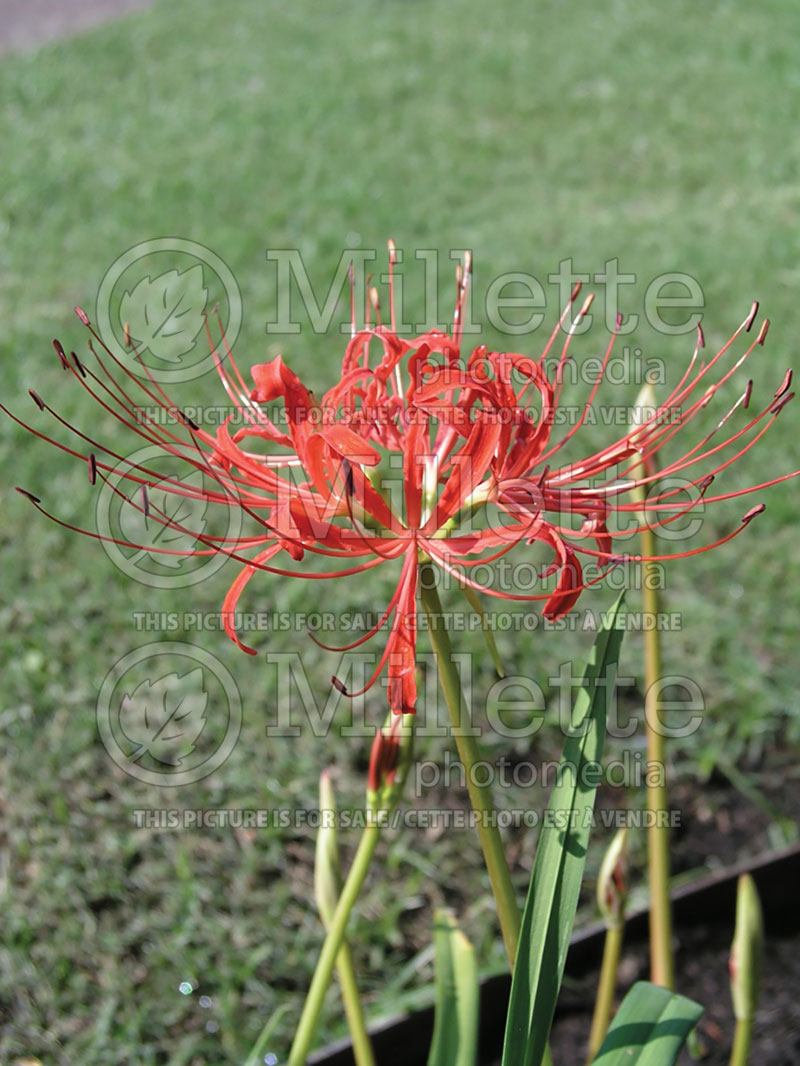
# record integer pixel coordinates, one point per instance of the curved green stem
(507, 907)
(605, 990)
(332, 945)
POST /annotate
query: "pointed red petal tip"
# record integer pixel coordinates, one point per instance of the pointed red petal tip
(751, 514)
(79, 311)
(29, 495)
(748, 392)
(145, 502)
(62, 355)
(779, 406)
(762, 333)
(701, 337)
(36, 399)
(784, 385)
(92, 464)
(79, 365)
(339, 685)
(748, 322)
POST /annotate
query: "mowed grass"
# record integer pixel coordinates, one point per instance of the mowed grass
(665, 138)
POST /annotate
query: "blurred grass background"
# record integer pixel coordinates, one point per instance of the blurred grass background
(664, 136)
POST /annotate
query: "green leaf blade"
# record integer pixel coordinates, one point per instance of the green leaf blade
(560, 858)
(650, 1028)
(455, 1031)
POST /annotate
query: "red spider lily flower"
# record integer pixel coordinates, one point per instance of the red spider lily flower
(471, 437)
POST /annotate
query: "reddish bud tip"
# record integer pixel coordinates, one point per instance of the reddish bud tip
(751, 514)
(79, 311)
(762, 333)
(92, 464)
(747, 394)
(62, 355)
(36, 399)
(339, 685)
(751, 317)
(29, 495)
(701, 337)
(784, 385)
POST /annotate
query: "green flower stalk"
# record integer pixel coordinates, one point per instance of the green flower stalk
(327, 889)
(612, 896)
(662, 964)
(746, 966)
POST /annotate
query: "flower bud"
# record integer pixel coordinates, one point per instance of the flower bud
(642, 412)
(612, 881)
(747, 950)
(327, 868)
(389, 762)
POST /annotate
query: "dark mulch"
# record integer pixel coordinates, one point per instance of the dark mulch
(702, 974)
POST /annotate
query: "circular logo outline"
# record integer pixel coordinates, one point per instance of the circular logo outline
(139, 251)
(108, 491)
(111, 744)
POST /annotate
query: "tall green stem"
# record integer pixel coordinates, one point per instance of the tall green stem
(333, 942)
(741, 1042)
(662, 967)
(605, 990)
(480, 796)
(362, 1046)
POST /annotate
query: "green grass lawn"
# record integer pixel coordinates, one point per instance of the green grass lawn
(662, 136)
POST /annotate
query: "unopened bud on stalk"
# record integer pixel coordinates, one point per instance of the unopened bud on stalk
(612, 882)
(327, 868)
(389, 762)
(643, 410)
(747, 951)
